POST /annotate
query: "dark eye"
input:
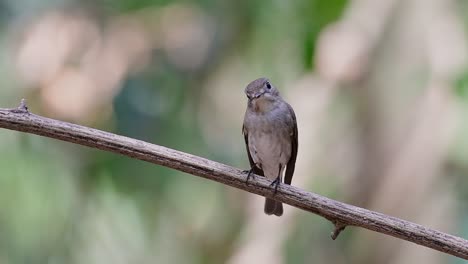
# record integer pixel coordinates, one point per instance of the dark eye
(268, 85)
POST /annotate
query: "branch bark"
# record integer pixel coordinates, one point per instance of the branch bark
(341, 214)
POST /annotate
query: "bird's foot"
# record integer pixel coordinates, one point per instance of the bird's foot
(276, 183)
(249, 175)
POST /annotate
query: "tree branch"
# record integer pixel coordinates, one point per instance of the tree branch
(339, 213)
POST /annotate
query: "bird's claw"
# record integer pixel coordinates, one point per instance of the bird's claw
(249, 175)
(276, 183)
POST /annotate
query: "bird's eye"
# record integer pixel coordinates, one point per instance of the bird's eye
(268, 85)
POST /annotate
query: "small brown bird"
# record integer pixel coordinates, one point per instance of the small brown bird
(270, 133)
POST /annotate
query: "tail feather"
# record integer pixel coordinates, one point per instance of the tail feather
(273, 207)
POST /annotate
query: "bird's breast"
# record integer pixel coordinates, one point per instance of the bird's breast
(269, 141)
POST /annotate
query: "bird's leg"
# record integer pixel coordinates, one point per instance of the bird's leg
(249, 174)
(277, 181)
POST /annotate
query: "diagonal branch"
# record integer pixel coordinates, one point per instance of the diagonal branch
(339, 213)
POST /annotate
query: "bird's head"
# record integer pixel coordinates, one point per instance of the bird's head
(261, 88)
(262, 95)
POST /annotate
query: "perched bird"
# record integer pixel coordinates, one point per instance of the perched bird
(270, 133)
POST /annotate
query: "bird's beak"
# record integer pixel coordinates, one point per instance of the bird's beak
(257, 95)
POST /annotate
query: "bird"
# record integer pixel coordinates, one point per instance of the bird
(270, 134)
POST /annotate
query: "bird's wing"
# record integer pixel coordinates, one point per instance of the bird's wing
(292, 161)
(254, 167)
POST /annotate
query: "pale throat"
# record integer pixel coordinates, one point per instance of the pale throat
(263, 105)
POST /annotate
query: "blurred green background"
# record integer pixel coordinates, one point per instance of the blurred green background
(380, 90)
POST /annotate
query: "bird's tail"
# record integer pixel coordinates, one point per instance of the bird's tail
(273, 207)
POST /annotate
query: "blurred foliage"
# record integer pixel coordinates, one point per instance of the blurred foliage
(317, 14)
(172, 73)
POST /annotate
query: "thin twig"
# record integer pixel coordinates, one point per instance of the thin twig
(346, 215)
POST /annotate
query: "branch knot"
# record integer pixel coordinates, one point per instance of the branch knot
(339, 226)
(22, 108)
